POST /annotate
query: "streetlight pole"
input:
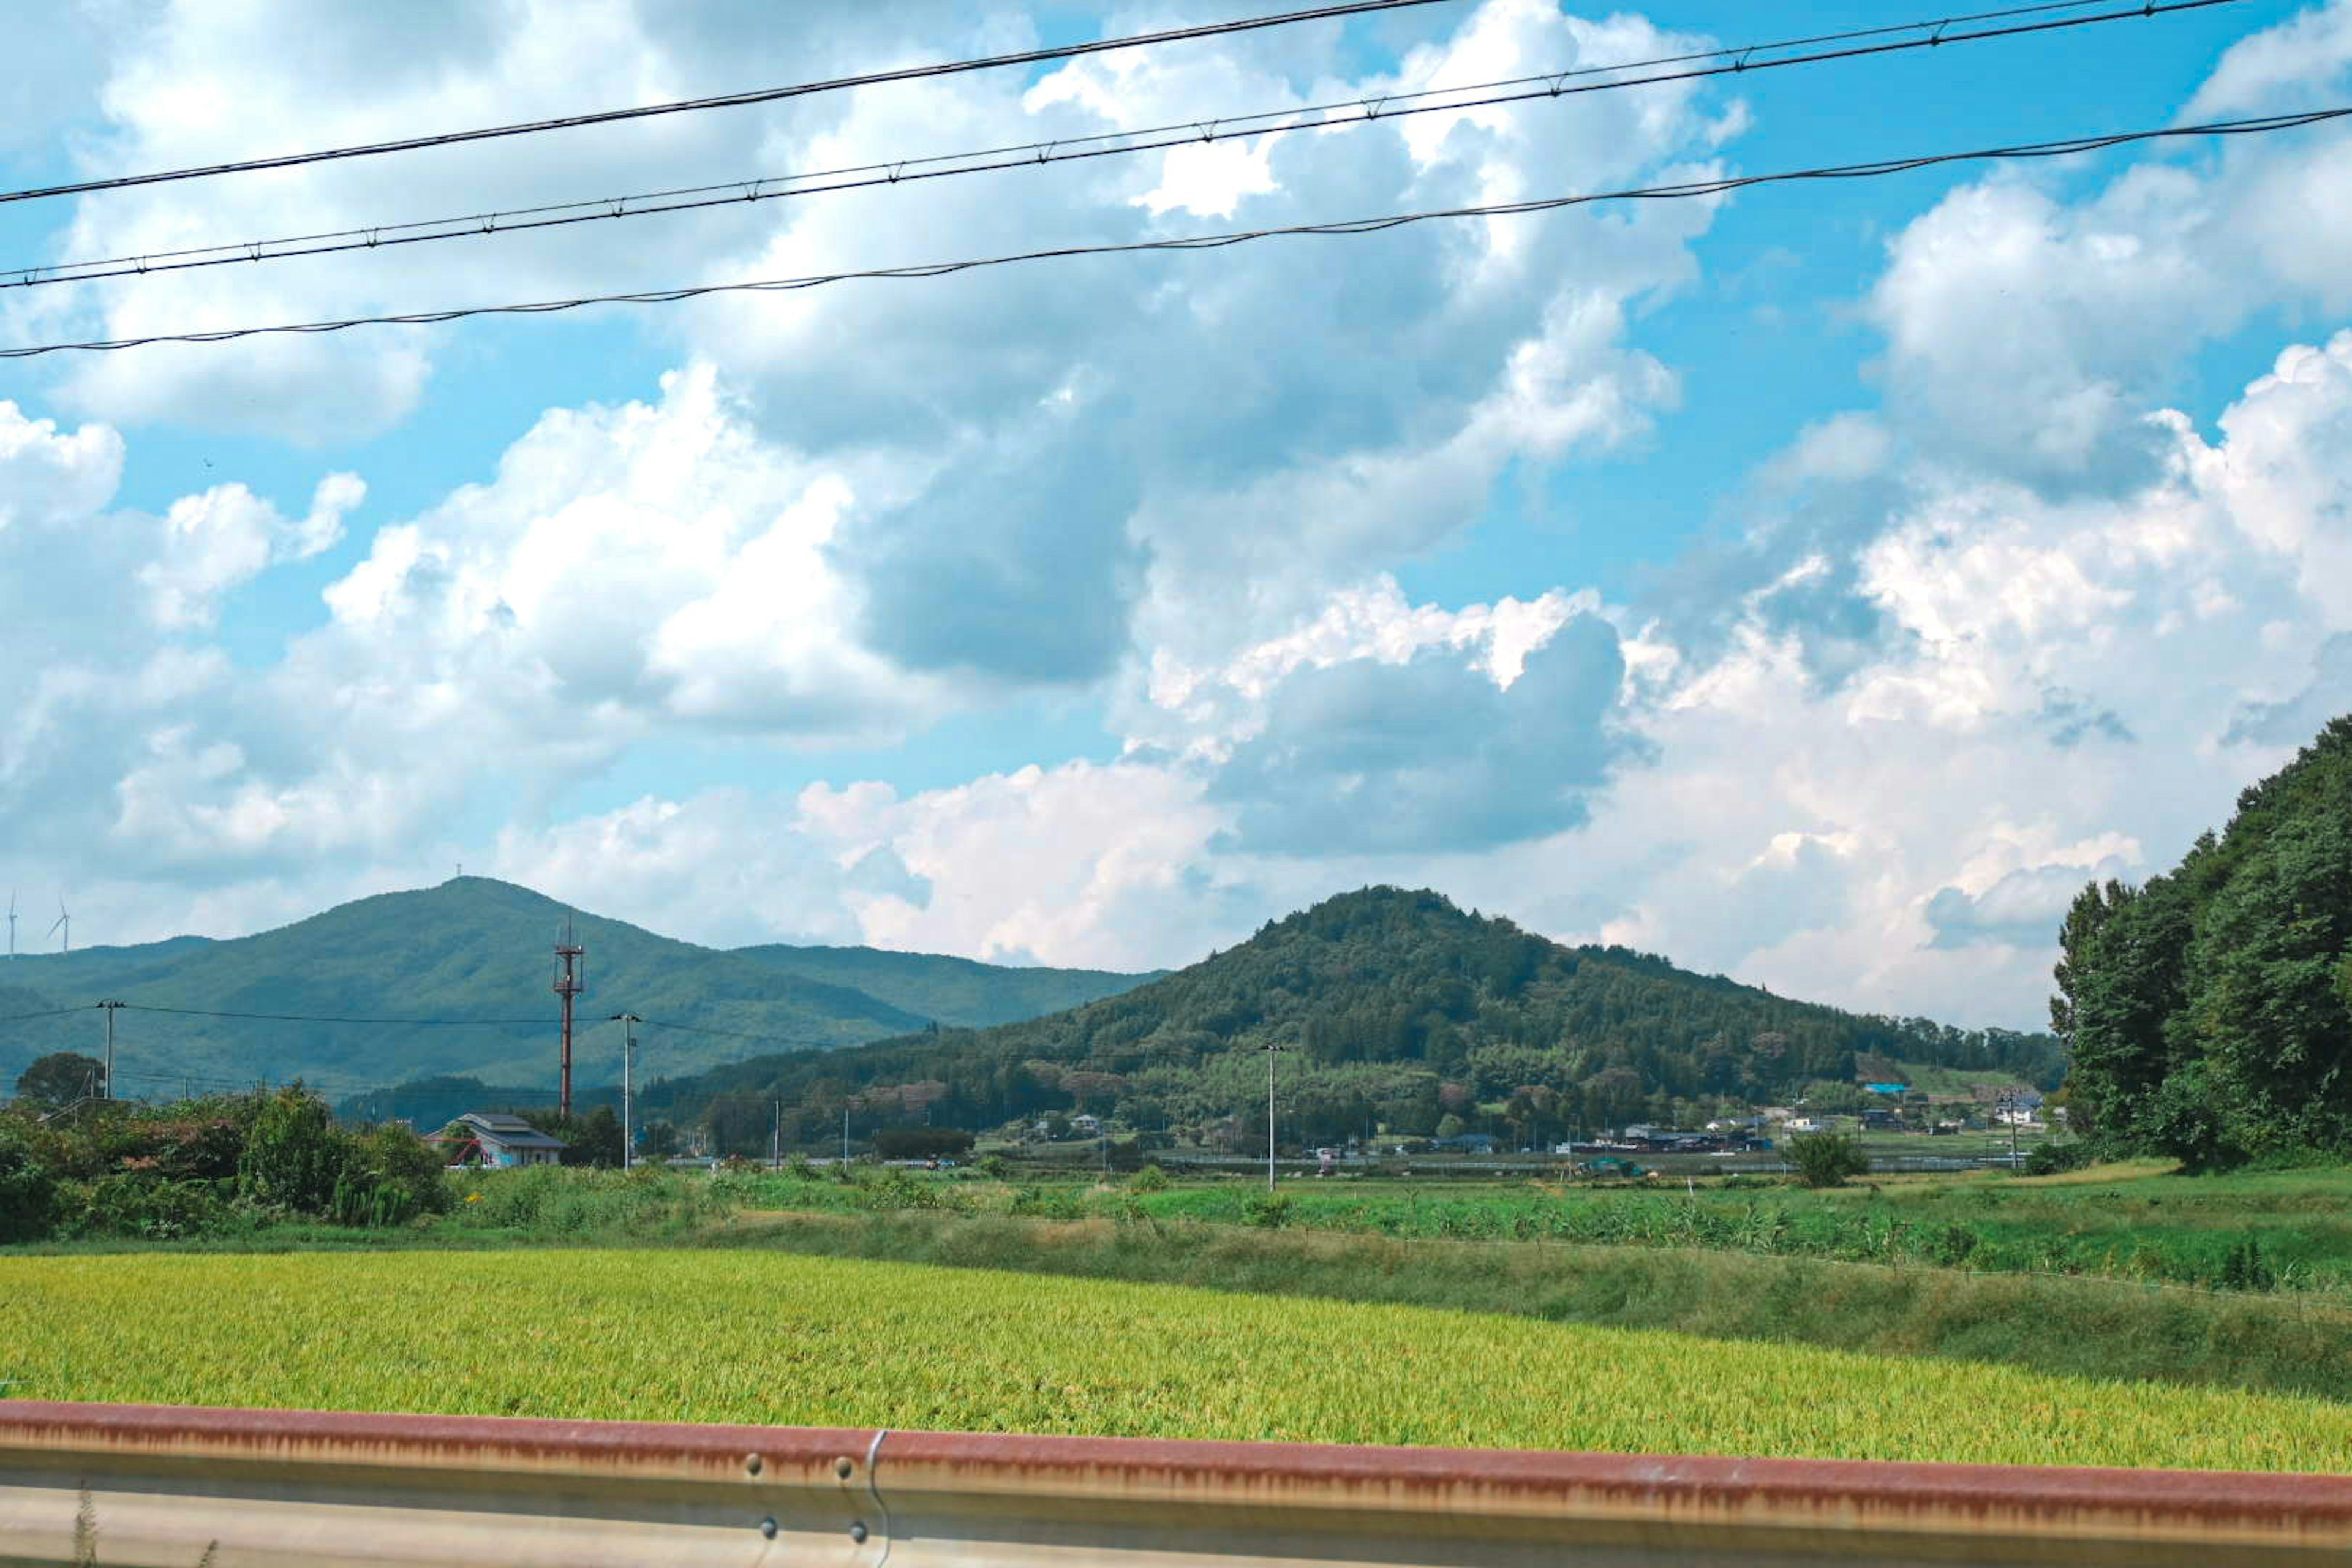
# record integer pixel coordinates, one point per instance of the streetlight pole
(628, 1022)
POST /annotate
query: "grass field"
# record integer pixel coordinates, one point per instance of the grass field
(667, 1334)
(2259, 1231)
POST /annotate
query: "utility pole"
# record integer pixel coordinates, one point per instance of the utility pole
(112, 1009)
(1271, 1048)
(844, 1133)
(776, 1139)
(569, 983)
(628, 1022)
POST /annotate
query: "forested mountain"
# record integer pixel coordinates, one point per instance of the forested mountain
(473, 954)
(2211, 1009)
(953, 991)
(1394, 1007)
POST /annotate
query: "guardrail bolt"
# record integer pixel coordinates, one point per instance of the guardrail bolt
(857, 1533)
(767, 1527)
(843, 1466)
(753, 1463)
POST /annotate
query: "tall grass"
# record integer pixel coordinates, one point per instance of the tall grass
(2084, 1327)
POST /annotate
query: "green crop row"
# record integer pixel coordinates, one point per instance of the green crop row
(2157, 1230)
(765, 1337)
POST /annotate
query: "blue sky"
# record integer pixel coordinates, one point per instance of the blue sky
(1719, 578)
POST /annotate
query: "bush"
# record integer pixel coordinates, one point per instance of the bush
(1268, 1211)
(2052, 1159)
(2245, 1268)
(157, 1209)
(995, 1166)
(1151, 1179)
(28, 1193)
(799, 1169)
(1826, 1159)
(389, 1177)
(294, 1154)
(1047, 1203)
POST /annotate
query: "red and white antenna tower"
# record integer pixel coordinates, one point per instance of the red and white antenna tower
(571, 978)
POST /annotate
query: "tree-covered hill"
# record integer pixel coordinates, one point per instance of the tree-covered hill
(2210, 1008)
(1395, 1006)
(960, 991)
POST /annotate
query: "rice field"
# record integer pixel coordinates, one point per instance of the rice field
(765, 1337)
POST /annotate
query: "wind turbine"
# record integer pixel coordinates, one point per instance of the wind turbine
(65, 923)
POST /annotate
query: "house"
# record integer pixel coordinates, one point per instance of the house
(1806, 1124)
(1086, 1126)
(494, 1139)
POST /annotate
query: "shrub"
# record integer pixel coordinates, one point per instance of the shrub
(1151, 1179)
(389, 1177)
(1953, 1245)
(159, 1210)
(1047, 1203)
(28, 1193)
(2245, 1268)
(294, 1154)
(2050, 1158)
(995, 1166)
(799, 1169)
(1826, 1159)
(1268, 1211)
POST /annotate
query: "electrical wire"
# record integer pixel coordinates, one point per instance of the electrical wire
(730, 1033)
(52, 1013)
(316, 1018)
(723, 101)
(1338, 115)
(1696, 188)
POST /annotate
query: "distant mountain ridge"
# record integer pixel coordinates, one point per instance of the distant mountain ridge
(470, 962)
(960, 991)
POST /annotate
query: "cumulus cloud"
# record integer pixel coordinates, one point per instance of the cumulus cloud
(2030, 335)
(1430, 754)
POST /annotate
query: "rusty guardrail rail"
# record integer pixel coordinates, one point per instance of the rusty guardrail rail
(331, 1489)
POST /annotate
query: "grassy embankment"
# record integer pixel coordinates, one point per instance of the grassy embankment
(2285, 1230)
(748, 1336)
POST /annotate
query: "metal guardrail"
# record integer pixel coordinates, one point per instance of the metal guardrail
(280, 1487)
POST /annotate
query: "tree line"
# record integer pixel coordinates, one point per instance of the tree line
(2210, 1009)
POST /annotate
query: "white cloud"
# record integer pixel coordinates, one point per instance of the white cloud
(2028, 334)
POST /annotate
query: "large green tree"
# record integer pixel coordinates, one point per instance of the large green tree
(2209, 1011)
(60, 1079)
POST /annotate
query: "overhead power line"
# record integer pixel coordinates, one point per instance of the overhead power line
(728, 1034)
(51, 1013)
(319, 1019)
(1334, 116)
(1695, 188)
(722, 100)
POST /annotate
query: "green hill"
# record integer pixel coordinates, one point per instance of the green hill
(1395, 1006)
(2211, 1009)
(960, 991)
(472, 954)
